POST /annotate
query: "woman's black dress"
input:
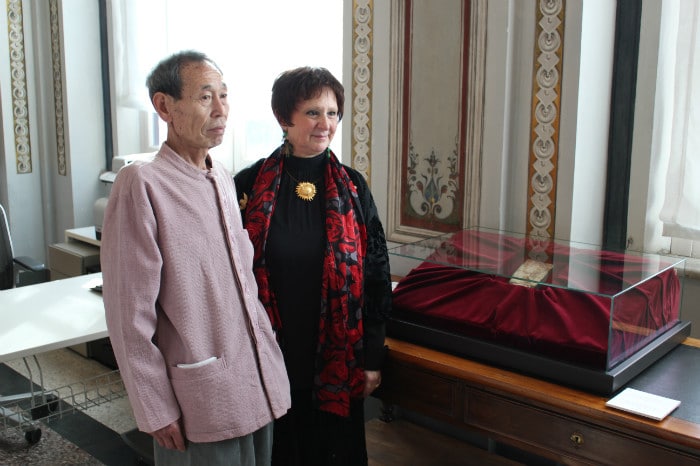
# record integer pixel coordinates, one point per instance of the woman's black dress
(306, 436)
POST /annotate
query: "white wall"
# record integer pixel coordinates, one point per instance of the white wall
(497, 122)
(508, 98)
(584, 109)
(586, 94)
(380, 107)
(44, 203)
(21, 193)
(84, 111)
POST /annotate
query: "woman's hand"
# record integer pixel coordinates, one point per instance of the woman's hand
(372, 381)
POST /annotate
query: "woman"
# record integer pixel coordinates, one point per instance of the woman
(322, 269)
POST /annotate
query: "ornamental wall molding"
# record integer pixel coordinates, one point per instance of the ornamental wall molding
(362, 12)
(546, 106)
(18, 80)
(57, 86)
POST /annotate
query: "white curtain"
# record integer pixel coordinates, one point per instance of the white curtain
(681, 210)
(140, 41)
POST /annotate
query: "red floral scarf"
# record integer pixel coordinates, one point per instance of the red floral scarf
(339, 373)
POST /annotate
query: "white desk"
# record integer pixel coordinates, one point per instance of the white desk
(50, 315)
(84, 235)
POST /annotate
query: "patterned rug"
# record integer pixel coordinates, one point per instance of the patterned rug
(52, 449)
(72, 439)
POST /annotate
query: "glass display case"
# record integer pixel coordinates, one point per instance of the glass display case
(569, 312)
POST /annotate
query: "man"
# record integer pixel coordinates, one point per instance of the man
(195, 347)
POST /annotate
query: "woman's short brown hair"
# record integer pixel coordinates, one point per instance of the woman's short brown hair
(299, 84)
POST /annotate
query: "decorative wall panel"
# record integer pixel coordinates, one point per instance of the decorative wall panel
(362, 87)
(18, 78)
(546, 107)
(57, 86)
(436, 138)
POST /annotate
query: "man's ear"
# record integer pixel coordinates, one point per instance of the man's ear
(162, 104)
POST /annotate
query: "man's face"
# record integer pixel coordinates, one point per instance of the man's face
(198, 119)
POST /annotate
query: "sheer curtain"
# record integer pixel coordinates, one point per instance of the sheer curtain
(139, 42)
(252, 42)
(680, 213)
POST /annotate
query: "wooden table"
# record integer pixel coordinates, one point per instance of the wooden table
(556, 422)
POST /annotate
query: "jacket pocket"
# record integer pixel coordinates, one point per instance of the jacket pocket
(204, 397)
(194, 365)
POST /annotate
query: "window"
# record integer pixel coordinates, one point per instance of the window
(664, 196)
(252, 42)
(679, 84)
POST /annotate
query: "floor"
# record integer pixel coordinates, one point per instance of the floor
(402, 443)
(70, 376)
(77, 427)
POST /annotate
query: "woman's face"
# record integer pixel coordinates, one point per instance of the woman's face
(313, 124)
